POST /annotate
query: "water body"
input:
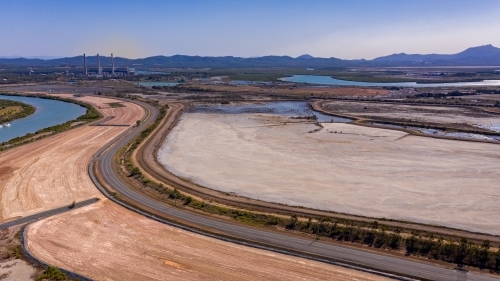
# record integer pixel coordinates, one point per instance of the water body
(327, 80)
(437, 132)
(151, 84)
(146, 72)
(48, 113)
(284, 108)
(493, 127)
(244, 82)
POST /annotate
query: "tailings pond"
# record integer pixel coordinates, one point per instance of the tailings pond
(285, 108)
(442, 133)
(327, 80)
(48, 113)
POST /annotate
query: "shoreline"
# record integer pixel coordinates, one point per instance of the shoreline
(90, 115)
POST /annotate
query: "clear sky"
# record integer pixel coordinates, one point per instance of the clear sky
(343, 29)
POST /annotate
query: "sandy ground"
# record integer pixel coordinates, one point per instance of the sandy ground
(52, 172)
(107, 242)
(16, 270)
(362, 171)
(435, 114)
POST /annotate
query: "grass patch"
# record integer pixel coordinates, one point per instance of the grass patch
(11, 110)
(115, 104)
(52, 273)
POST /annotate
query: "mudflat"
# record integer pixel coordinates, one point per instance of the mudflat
(341, 167)
(419, 113)
(107, 242)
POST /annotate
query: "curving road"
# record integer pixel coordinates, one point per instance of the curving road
(281, 242)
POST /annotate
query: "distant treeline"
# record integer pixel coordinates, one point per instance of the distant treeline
(461, 252)
(445, 95)
(457, 93)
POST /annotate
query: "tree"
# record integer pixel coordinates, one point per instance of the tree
(135, 171)
(137, 123)
(175, 195)
(292, 223)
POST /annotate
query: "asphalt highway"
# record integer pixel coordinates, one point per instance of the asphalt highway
(48, 213)
(296, 245)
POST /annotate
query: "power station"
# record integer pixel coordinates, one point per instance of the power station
(112, 71)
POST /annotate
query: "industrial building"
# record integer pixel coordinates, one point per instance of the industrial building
(112, 71)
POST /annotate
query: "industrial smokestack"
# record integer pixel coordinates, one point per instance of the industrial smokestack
(85, 64)
(112, 65)
(99, 70)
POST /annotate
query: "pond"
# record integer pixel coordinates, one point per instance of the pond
(283, 108)
(159, 83)
(327, 80)
(438, 132)
(48, 113)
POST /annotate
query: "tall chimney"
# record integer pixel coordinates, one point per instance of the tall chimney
(112, 66)
(99, 71)
(85, 64)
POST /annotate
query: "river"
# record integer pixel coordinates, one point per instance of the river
(48, 113)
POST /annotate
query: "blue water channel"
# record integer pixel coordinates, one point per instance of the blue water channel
(327, 80)
(48, 113)
(283, 108)
(162, 84)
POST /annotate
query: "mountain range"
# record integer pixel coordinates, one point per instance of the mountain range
(486, 55)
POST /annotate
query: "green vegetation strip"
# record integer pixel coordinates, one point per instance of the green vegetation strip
(460, 251)
(91, 115)
(115, 104)
(9, 112)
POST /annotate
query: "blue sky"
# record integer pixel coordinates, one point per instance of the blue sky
(343, 29)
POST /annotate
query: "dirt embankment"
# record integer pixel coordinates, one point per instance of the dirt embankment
(52, 172)
(411, 113)
(106, 242)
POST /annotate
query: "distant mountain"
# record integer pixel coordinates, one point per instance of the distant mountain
(30, 57)
(476, 56)
(305, 57)
(482, 55)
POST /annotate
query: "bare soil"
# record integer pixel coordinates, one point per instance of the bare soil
(106, 242)
(16, 269)
(52, 172)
